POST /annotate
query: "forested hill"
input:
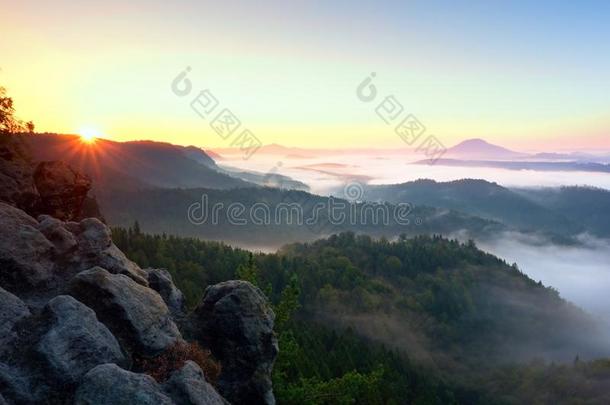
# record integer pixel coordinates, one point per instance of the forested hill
(483, 199)
(586, 205)
(291, 216)
(133, 165)
(448, 307)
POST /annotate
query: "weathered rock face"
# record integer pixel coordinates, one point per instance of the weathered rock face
(25, 254)
(161, 281)
(15, 385)
(93, 237)
(74, 341)
(12, 310)
(235, 321)
(95, 248)
(110, 384)
(62, 190)
(16, 174)
(134, 313)
(188, 386)
(40, 257)
(113, 315)
(58, 348)
(54, 230)
(52, 188)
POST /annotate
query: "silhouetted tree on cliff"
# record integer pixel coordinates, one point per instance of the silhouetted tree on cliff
(8, 123)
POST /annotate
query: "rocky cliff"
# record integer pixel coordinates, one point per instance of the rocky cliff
(52, 188)
(81, 323)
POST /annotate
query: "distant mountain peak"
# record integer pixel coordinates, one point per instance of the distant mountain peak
(480, 148)
(475, 141)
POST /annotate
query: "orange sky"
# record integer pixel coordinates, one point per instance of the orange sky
(289, 73)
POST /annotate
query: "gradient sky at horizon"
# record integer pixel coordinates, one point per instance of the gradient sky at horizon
(527, 75)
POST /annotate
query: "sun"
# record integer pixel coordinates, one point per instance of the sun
(89, 135)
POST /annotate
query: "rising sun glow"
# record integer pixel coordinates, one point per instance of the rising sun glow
(89, 135)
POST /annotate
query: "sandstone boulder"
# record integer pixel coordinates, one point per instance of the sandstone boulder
(93, 237)
(74, 341)
(235, 321)
(55, 231)
(26, 256)
(95, 248)
(52, 188)
(109, 384)
(15, 385)
(40, 256)
(12, 310)
(188, 386)
(16, 170)
(62, 190)
(135, 314)
(161, 281)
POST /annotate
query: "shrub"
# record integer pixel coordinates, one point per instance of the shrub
(172, 359)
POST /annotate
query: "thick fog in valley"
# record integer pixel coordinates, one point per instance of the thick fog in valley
(305, 203)
(323, 174)
(580, 273)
